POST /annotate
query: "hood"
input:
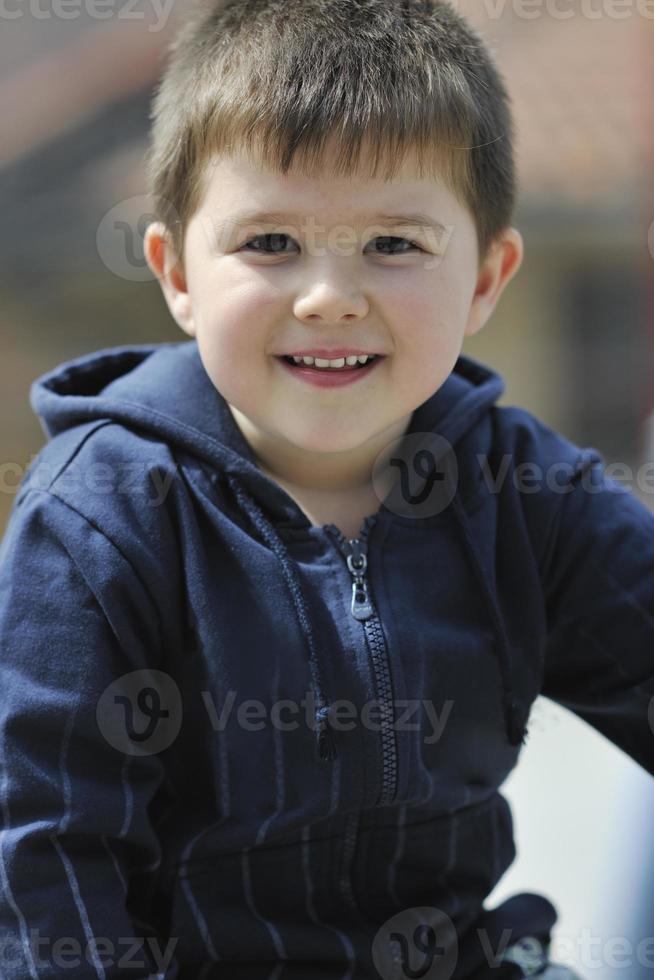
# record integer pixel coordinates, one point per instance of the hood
(164, 390)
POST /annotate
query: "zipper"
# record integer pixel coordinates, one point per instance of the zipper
(355, 552)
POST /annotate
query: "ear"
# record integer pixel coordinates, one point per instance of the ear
(498, 268)
(162, 260)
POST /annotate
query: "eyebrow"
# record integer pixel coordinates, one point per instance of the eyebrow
(415, 219)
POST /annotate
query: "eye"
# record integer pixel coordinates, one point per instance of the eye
(387, 239)
(275, 238)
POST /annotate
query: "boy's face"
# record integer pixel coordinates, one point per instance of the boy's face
(333, 278)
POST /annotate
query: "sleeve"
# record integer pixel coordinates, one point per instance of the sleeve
(599, 597)
(78, 851)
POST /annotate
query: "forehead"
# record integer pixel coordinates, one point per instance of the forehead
(246, 189)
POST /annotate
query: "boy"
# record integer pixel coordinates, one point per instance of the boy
(272, 620)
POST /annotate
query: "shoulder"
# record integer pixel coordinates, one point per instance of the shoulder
(510, 450)
(536, 471)
(102, 483)
(530, 447)
(522, 473)
(93, 465)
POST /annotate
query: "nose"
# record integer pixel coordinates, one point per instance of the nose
(331, 298)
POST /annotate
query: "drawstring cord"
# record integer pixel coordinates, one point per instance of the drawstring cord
(326, 746)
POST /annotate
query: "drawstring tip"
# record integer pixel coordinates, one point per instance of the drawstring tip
(326, 745)
(516, 729)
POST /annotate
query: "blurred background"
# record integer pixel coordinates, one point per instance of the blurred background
(573, 335)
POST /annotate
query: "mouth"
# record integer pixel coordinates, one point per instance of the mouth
(329, 377)
(346, 368)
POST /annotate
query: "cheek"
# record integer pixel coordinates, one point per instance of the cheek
(425, 315)
(237, 317)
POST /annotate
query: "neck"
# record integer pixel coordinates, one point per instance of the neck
(349, 472)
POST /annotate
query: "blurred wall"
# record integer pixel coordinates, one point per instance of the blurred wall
(573, 336)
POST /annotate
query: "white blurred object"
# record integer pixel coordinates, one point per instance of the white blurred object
(582, 813)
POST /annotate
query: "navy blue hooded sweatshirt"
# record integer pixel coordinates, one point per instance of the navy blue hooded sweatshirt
(183, 793)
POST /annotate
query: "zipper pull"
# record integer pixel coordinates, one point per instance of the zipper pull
(357, 563)
(354, 550)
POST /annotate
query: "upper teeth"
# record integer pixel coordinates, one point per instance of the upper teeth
(321, 363)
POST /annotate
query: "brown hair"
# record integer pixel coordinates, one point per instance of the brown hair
(277, 78)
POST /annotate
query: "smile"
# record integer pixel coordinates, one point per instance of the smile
(330, 376)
